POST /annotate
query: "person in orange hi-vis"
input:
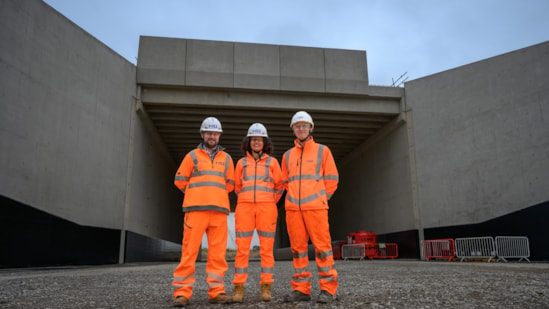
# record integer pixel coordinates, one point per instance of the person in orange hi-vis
(310, 177)
(258, 185)
(205, 176)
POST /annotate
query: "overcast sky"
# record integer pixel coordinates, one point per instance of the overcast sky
(414, 37)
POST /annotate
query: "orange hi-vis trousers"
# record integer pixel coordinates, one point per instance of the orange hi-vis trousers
(214, 223)
(314, 224)
(248, 217)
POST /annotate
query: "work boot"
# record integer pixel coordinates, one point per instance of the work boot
(238, 295)
(221, 299)
(180, 301)
(266, 292)
(296, 296)
(325, 297)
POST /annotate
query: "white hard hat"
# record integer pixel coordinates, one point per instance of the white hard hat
(257, 129)
(211, 124)
(302, 117)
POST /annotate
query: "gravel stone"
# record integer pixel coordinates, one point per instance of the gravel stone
(362, 284)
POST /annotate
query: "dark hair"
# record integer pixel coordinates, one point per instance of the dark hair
(267, 145)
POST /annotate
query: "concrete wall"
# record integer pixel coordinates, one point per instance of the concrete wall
(64, 121)
(481, 136)
(375, 192)
(155, 203)
(181, 62)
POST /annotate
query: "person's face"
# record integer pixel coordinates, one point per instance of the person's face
(256, 143)
(301, 129)
(211, 139)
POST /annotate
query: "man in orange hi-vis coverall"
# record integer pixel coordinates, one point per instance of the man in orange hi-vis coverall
(310, 176)
(205, 176)
(258, 185)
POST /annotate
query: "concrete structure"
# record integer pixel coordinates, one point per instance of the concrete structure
(90, 142)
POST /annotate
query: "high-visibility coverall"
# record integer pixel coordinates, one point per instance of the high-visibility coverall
(206, 182)
(258, 185)
(310, 176)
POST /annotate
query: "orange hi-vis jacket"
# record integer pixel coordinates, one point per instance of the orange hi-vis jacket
(258, 181)
(310, 176)
(205, 181)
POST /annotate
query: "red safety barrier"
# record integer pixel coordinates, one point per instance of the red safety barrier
(438, 249)
(336, 248)
(385, 251)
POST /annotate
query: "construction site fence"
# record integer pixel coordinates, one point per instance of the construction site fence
(438, 249)
(512, 247)
(370, 251)
(502, 247)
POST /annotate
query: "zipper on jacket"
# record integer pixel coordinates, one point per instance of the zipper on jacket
(300, 166)
(255, 177)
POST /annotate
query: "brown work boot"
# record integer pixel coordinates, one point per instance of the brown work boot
(180, 301)
(266, 292)
(221, 299)
(238, 295)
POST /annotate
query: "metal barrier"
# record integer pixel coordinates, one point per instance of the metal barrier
(512, 247)
(475, 248)
(353, 251)
(385, 251)
(438, 248)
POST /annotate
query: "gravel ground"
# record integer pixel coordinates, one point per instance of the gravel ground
(363, 284)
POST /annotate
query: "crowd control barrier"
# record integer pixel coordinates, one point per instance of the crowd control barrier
(386, 251)
(438, 249)
(475, 248)
(512, 247)
(353, 251)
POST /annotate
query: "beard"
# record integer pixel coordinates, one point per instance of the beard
(210, 143)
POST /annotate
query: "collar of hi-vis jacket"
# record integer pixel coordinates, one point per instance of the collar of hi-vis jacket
(218, 148)
(300, 144)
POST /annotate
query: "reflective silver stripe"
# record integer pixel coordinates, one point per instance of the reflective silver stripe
(301, 270)
(330, 177)
(328, 196)
(230, 181)
(215, 284)
(182, 285)
(303, 200)
(257, 188)
(215, 276)
(301, 279)
(208, 184)
(206, 207)
(266, 234)
(298, 255)
(325, 254)
(267, 270)
(327, 278)
(245, 234)
(303, 177)
(181, 279)
(181, 178)
(287, 155)
(195, 159)
(263, 178)
(319, 160)
(227, 162)
(324, 269)
(241, 270)
(210, 173)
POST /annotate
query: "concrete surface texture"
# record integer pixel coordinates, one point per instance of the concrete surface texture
(363, 284)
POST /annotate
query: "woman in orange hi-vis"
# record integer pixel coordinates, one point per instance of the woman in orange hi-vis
(310, 176)
(205, 176)
(258, 185)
